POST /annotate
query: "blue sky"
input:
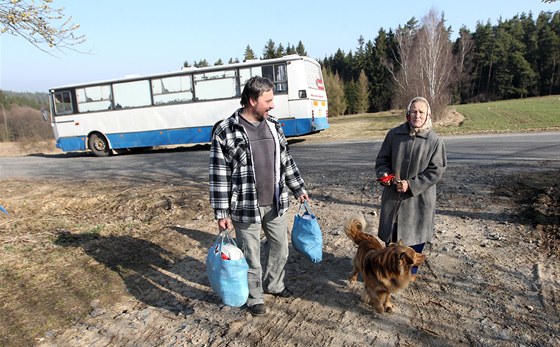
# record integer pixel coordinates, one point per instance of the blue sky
(142, 37)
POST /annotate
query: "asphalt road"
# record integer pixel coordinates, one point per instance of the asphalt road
(314, 160)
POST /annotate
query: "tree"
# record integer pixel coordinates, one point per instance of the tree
(39, 24)
(462, 50)
(249, 54)
(484, 57)
(269, 50)
(380, 79)
(362, 99)
(548, 57)
(300, 49)
(219, 62)
(201, 63)
(401, 63)
(335, 93)
(280, 50)
(290, 49)
(433, 77)
(351, 95)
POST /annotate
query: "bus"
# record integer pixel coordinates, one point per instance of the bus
(182, 107)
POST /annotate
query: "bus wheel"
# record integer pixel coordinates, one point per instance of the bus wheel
(99, 145)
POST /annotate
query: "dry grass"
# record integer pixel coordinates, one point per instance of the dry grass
(65, 247)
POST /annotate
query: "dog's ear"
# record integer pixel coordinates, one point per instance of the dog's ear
(400, 243)
(404, 256)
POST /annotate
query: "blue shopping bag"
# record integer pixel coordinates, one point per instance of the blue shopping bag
(228, 277)
(306, 234)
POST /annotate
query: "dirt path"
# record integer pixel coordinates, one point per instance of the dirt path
(113, 264)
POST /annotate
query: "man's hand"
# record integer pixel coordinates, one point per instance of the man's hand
(225, 224)
(303, 197)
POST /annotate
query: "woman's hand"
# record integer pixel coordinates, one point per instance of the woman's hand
(402, 186)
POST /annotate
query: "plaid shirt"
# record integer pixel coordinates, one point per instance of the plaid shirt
(233, 190)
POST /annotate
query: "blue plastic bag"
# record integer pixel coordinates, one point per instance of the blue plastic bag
(306, 234)
(228, 278)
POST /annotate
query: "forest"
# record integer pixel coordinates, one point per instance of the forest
(514, 58)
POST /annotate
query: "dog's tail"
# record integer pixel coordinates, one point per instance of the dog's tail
(355, 230)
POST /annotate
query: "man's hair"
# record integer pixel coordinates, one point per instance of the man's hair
(254, 88)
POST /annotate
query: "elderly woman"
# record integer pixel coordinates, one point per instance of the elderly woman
(416, 156)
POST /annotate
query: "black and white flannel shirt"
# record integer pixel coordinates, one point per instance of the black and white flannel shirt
(233, 190)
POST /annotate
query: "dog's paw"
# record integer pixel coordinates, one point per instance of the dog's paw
(366, 299)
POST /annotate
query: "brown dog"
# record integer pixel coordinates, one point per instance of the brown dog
(385, 270)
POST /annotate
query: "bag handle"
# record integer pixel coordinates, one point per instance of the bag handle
(305, 205)
(224, 236)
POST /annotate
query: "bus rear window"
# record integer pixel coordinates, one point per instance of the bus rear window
(314, 76)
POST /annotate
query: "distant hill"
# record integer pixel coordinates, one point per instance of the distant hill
(33, 100)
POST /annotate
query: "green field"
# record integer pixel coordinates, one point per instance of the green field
(520, 115)
(531, 114)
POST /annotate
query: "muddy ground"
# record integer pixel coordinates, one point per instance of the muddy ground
(114, 264)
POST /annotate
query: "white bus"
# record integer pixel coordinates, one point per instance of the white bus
(182, 107)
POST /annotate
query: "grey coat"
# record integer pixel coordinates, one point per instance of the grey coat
(421, 160)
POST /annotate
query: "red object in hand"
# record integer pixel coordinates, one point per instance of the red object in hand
(386, 179)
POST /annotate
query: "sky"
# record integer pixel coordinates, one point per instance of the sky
(131, 37)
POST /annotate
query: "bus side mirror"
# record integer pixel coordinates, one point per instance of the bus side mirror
(45, 115)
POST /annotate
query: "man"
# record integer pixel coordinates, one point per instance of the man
(416, 156)
(251, 170)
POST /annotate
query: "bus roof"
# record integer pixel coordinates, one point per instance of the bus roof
(248, 63)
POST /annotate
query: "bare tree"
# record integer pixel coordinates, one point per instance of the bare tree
(39, 23)
(400, 65)
(424, 63)
(436, 62)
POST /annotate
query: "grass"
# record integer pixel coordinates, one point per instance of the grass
(531, 114)
(521, 115)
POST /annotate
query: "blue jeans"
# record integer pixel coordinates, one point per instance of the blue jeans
(276, 253)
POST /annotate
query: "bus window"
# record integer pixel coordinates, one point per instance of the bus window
(313, 76)
(132, 94)
(172, 90)
(244, 76)
(63, 103)
(277, 74)
(215, 85)
(97, 98)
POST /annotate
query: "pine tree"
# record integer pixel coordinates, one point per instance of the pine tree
(249, 54)
(300, 49)
(335, 93)
(269, 50)
(362, 100)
